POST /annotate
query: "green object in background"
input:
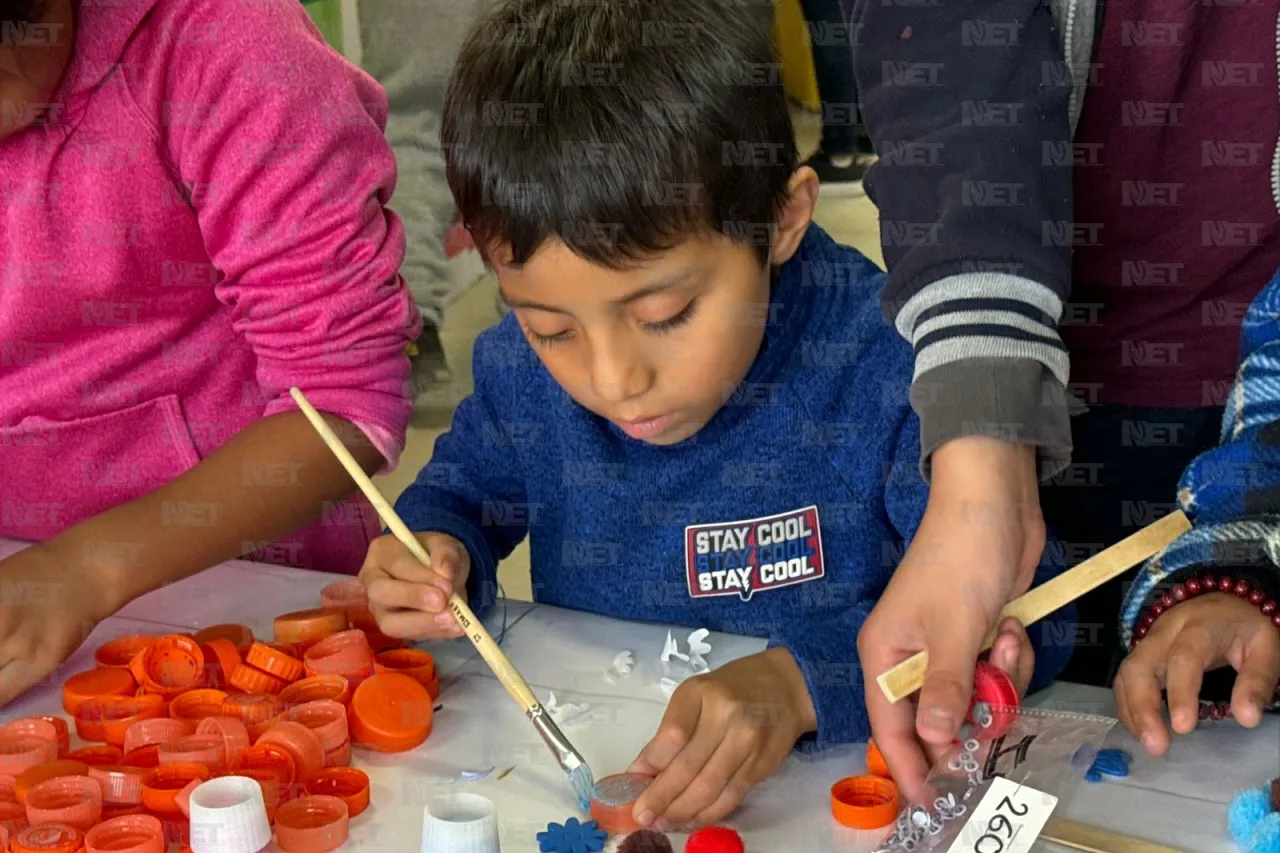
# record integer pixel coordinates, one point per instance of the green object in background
(328, 17)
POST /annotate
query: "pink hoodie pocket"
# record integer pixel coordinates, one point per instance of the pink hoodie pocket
(55, 474)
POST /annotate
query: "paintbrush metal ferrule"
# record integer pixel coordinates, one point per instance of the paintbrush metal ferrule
(570, 759)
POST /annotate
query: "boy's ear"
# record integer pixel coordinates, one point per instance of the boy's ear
(795, 215)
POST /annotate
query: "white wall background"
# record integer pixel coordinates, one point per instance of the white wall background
(351, 30)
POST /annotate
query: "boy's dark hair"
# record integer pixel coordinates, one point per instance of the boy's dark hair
(620, 127)
(21, 11)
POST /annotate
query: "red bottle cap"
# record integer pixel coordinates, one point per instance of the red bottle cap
(614, 801)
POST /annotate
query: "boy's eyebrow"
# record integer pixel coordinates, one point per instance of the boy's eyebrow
(665, 283)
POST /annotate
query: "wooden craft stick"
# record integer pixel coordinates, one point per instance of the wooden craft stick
(1095, 839)
(908, 677)
(502, 668)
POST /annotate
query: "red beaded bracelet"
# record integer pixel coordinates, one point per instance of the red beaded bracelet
(1200, 586)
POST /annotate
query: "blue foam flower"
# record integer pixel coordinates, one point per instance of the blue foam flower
(1253, 825)
(1109, 762)
(572, 837)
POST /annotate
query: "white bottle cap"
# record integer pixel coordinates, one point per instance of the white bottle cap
(228, 815)
(460, 823)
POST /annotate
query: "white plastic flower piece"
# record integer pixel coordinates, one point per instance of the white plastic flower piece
(566, 714)
(476, 775)
(671, 649)
(698, 649)
(621, 667)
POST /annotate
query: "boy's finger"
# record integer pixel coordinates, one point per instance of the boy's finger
(948, 684)
(707, 787)
(1143, 700)
(439, 574)
(1256, 680)
(731, 797)
(1122, 706)
(386, 594)
(1190, 655)
(674, 733)
(410, 625)
(894, 727)
(682, 769)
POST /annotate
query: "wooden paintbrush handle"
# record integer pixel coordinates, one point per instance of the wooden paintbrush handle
(1095, 839)
(502, 668)
(908, 677)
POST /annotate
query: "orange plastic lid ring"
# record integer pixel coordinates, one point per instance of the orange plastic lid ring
(301, 742)
(121, 786)
(312, 824)
(252, 680)
(346, 783)
(161, 788)
(33, 776)
(106, 681)
(47, 838)
(391, 713)
(97, 756)
(316, 687)
(328, 719)
(864, 802)
(876, 765)
(156, 730)
(73, 800)
(274, 662)
(19, 753)
(615, 799)
(195, 705)
(306, 627)
(240, 636)
(130, 834)
(121, 651)
(234, 734)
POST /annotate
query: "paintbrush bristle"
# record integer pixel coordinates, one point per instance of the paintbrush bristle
(584, 785)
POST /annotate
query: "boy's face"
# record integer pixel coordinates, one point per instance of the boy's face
(656, 348)
(33, 58)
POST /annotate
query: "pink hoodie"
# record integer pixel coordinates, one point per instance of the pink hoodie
(195, 226)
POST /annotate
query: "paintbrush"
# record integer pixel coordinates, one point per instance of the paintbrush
(571, 761)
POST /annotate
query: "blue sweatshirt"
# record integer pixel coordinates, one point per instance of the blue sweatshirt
(783, 518)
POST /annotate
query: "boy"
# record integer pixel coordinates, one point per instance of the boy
(695, 409)
(1214, 647)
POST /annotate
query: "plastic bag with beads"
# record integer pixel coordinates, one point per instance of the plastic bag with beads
(1046, 751)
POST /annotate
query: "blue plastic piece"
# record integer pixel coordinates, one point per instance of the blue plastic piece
(572, 837)
(1109, 762)
(1254, 826)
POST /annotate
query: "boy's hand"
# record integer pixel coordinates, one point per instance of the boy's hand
(409, 600)
(1013, 653)
(722, 734)
(1198, 635)
(976, 550)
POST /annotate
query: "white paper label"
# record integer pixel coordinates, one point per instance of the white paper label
(1008, 820)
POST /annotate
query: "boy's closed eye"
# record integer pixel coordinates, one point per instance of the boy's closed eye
(546, 331)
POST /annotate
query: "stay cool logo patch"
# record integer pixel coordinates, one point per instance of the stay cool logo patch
(745, 557)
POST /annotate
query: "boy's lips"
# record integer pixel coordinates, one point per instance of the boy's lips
(646, 427)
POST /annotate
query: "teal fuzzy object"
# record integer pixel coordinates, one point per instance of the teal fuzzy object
(1253, 823)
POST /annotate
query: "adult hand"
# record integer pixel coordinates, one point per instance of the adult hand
(1207, 632)
(410, 600)
(976, 550)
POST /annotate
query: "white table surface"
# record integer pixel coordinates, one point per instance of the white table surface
(1179, 800)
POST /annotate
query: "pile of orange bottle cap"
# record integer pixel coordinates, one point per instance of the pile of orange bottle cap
(161, 715)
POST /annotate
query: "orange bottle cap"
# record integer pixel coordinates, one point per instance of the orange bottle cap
(257, 730)
(156, 730)
(19, 753)
(63, 735)
(173, 664)
(121, 786)
(864, 802)
(37, 727)
(251, 680)
(110, 812)
(274, 662)
(316, 687)
(119, 713)
(270, 758)
(33, 776)
(234, 734)
(97, 756)
(346, 653)
(104, 681)
(876, 765)
(346, 783)
(121, 651)
(72, 800)
(207, 750)
(161, 787)
(222, 657)
(252, 708)
(614, 801)
(144, 757)
(340, 757)
(195, 705)
(302, 743)
(390, 712)
(325, 717)
(47, 838)
(240, 636)
(306, 627)
(130, 834)
(312, 824)
(415, 663)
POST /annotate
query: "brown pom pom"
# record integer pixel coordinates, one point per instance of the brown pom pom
(1275, 794)
(646, 841)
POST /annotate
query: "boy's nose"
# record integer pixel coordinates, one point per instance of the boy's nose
(619, 373)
